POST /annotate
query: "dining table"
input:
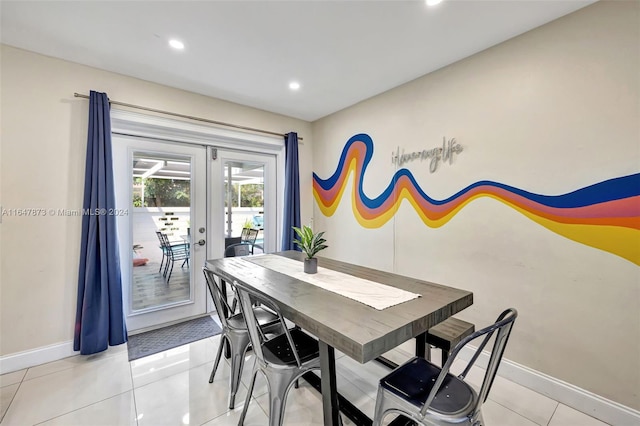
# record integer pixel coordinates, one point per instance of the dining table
(338, 318)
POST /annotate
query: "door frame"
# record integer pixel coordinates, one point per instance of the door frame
(129, 123)
(124, 150)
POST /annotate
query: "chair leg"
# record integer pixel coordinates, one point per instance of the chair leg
(217, 361)
(170, 271)
(278, 388)
(248, 400)
(478, 420)
(161, 263)
(166, 266)
(237, 361)
(379, 412)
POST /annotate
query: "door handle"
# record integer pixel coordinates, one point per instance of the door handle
(200, 243)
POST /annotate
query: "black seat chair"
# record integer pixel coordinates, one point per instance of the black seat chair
(430, 395)
(173, 253)
(249, 236)
(281, 359)
(240, 249)
(234, 331)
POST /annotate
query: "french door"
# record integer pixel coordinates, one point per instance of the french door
(199, 186)
(200, 198)
(244, 194)
(163, 187)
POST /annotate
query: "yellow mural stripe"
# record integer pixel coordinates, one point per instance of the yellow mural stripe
(331, 209)
(622, 241)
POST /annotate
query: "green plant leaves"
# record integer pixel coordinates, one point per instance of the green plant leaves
(309, 242)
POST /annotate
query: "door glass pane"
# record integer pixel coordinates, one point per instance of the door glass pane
(160, 231)
(244, 201)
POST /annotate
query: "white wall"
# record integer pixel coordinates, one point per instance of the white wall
(551, 111)
(146, 222)
(43, 133)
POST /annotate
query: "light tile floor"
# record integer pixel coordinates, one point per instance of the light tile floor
(172, 388)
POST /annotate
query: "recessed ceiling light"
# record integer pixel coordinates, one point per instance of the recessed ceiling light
(433, 2)
(294, 85)
(176, 44)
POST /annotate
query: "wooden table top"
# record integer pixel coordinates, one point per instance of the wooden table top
(357, 330)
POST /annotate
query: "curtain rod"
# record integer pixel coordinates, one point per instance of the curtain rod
(190, 117)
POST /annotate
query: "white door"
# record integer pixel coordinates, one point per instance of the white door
(163, 187)
(244, 193)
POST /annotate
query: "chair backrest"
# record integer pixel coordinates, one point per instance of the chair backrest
(240, 249)
(250, 300)
(501, 329)
(249, 235)
(224, 310)
(161, 239)
(164, 242)
(173, 251)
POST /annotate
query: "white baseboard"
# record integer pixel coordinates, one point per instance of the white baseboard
(20, 360)
(570, 395)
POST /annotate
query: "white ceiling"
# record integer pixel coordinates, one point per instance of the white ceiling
(341, 52)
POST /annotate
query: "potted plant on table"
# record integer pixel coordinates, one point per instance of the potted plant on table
(310, 244)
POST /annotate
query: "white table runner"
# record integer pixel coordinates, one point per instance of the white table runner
(376, 295)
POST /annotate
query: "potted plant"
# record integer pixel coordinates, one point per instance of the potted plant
(310, 244)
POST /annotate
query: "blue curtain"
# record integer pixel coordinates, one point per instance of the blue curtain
(291, 192)
(99, 315)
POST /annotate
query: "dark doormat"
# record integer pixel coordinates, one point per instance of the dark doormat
(151, 342)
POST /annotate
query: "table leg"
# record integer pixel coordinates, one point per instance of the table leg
(329, 390)
(421, 345)
(347, 408)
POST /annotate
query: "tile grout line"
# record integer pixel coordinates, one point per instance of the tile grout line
(133, 386)
(133, 393)
(12, 398)
(79, 408)
(25, 379)
(554, 413)
(171, 375)
(364, 392)
(255, 398)
(523, 416)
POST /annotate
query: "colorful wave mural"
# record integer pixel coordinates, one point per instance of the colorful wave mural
(605, 215)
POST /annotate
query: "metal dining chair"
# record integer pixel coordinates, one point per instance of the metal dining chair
(173, 253)
(249, 236)
(164, 250)
(234, 331)
(243, 234)
(281, 359)
(430, 395)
